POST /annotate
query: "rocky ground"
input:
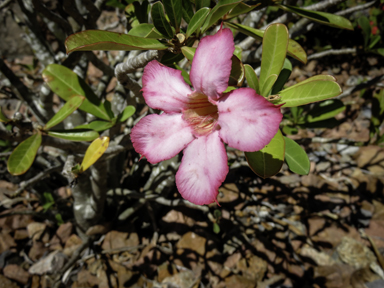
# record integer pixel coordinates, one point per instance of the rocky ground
(325, 229)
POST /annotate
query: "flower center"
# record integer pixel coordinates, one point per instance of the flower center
(201, 114)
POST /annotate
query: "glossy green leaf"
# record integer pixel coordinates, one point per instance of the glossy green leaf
(325, 110)
(308, 92)
(98, 126)
(196, 21)
(366, 28)
(66, 83)
(145, 30)
(238, 51)
(320, 17)
(252, 80)
(268, 161)
(72, 104)
(185, 74)
(266, 89)
(24, 154)
(275, 43)
(141, 11)
(241, 8)
(94, 152)
(188, 52)
(160, 20)
(202, 3)
(283, 77)
(236, 78)
(170, 58)
(294, 48)
(173, 8)
(187, 10)
(90, 40)
(3, 118)
(127, 112)
(221, 8)
(296, 158)
(74, 134)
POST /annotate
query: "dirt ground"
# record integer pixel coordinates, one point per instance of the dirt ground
(325, 229)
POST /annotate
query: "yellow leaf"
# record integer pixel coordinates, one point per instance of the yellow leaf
(94, 152)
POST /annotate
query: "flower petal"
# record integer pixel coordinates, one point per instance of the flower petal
(211, 65)
(202, 170)
(161, 137)
(164, 88)
(248, 121)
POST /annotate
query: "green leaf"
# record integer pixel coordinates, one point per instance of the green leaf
(238, 51)
(268, 161)
(22, 157)
(141, 11)
(296, 158)
(59, 219)
(266, 89)
(94, 152)
(185, 74)
(127, 112)
(170, 58)
(145, 30)
(294, 48)
(3, 118)
(325, 110)
(312, 90)
(188, 52)
(236, 78)
(320, 17)
(229, 89)
(74, 134)
(66, 83)
(98, 126)
(160, 21)
(379, 51)
(275, 42)
(196, 21)
(221, 8)
(252, 80)
(187, 11)
(366, 28)
(241, 8)
(216, 228)
(48, 201)
(173, 8)
(91, 40)
(202, 3)
(72, 104)
(283, 77)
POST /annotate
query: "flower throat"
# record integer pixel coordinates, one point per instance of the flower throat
(201, 114)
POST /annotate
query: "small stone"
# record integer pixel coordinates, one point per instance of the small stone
(193, 242)
(15, 272)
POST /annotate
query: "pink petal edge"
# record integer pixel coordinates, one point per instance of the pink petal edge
(161, 137)
(248, 121)
(203, 169)
(211, 65)
(164, 88)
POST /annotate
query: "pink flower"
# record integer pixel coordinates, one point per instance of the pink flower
(198, 121)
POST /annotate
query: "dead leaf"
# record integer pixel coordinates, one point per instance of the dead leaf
(50, 264)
